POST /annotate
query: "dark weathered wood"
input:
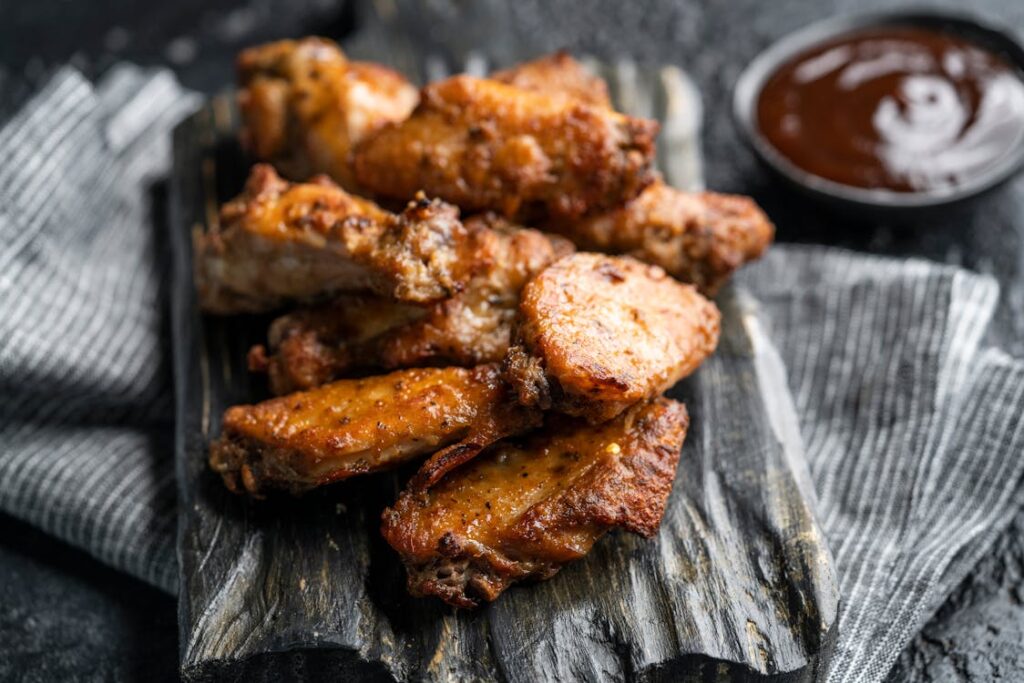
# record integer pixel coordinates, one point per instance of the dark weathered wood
(737, 584)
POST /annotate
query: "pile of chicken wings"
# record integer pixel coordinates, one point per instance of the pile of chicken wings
(486, 275)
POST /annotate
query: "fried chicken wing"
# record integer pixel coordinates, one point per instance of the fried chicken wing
(313, 346)
(357, 426)
(280, 242)
(697, 237)
(305, 105)
(521, 510)
(474, 326)
(558, 74)
(485, 145)
(597, 333)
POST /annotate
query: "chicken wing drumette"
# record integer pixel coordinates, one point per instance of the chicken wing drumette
(486, 145)
(305, 105)
(313, 346)
(697, 237)
(358, 426)
(279, 242)
(596, 334)
(523, 508)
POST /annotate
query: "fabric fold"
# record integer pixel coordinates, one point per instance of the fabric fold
(910, 430)
(85, 424)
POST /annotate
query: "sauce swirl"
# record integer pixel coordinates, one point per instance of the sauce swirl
(897, 108)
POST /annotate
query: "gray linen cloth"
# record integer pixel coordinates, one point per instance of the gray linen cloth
(86, 411)
(912, 427)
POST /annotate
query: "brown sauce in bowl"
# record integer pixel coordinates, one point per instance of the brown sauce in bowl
(896, 108)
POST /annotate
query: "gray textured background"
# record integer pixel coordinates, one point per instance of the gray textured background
(62, 616)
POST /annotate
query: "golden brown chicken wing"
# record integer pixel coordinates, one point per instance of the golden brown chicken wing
(558, 74)
(357, 426)
(313, 346)
(698, 237)
(305, 106)
(280, 242)
(521, 510)
(474, 326)
(485, 145)
(597, 333)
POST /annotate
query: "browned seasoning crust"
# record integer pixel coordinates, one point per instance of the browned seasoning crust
(485, 145)
(358, 426)
(474, 326)
(697, 237)
(279, 242)
(313, 346)
(558, 74)
(597, 333)
(310, 347)
(521, 510)
(304, 105)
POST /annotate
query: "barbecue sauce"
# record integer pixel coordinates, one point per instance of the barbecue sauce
(895, 108)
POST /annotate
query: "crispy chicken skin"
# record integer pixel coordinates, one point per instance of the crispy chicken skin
(475, 326)
(357, 426)
(558, 73)
(697, 237)
(522, 509)
(304, 105)
(314, 346)
(279, 242)
(485, 145)
(596, 334)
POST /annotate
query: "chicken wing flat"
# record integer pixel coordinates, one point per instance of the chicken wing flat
(314, 346)
(521, 510)
(597, 333)
(357, 426)
(558, 74)
(280, 242)
(697, 237)
(485, 145)
(304, 105)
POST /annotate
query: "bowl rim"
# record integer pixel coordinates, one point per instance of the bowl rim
(977, 28)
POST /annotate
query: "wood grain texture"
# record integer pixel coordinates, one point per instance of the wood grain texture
(738, 583)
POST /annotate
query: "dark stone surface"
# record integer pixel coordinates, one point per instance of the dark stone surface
(977, 633)
(198, 38)
(64, 616)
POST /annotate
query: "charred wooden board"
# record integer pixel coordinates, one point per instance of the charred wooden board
(738, 584)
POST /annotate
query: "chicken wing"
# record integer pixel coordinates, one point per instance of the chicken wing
(485, 145)
(304, 106)
(314, 346)
(522, 510)
(558, 74)
(597, 333)
(279, 242)
(698, 237)
(357, 426)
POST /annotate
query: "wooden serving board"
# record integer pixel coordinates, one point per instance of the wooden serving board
(738, 584)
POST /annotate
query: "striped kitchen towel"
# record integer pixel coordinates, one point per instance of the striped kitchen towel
(912, 430)
(86, 398)
(912, 426)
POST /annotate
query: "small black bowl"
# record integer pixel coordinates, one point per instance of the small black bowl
(875, 202)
